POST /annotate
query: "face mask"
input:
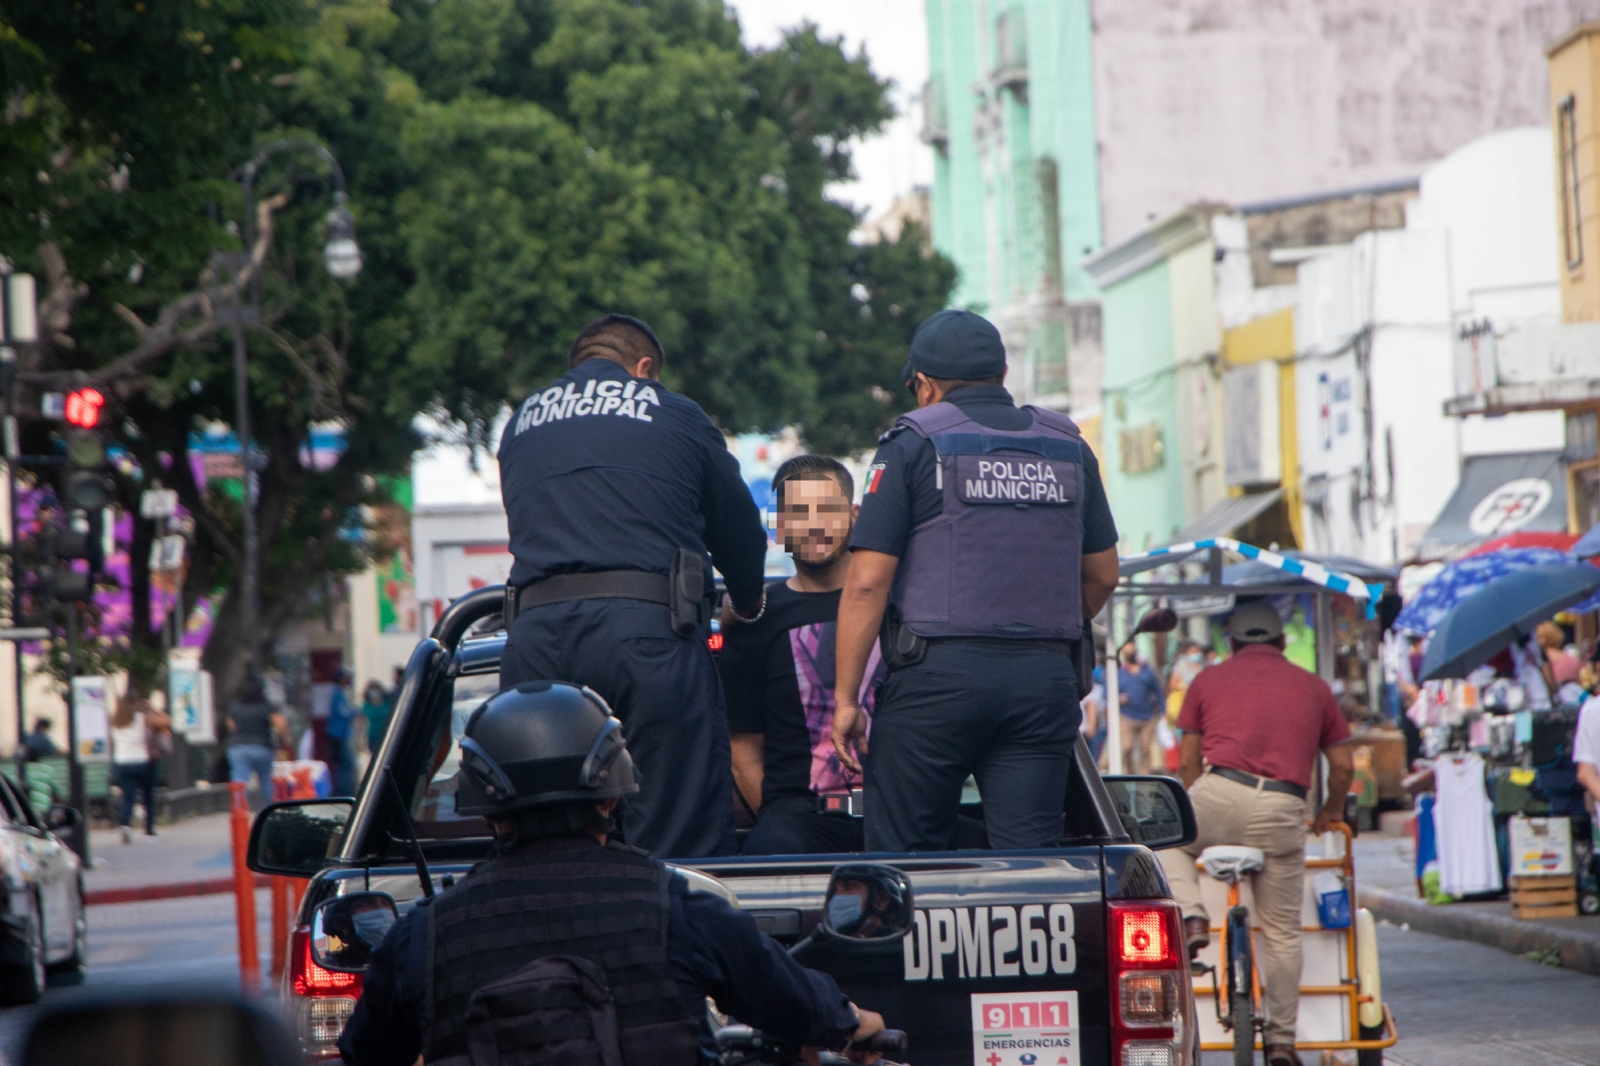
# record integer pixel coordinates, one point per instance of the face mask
(843, 911)
(372, 926)
(1196, 657)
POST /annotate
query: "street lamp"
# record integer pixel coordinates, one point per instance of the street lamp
(342, 256)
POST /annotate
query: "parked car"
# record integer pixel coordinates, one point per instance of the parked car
(44, 928)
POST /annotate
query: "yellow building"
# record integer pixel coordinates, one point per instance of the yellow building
(1262, 450)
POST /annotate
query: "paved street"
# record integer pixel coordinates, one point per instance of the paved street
(1462, 1004)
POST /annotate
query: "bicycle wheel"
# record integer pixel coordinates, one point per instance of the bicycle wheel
(1241, 986)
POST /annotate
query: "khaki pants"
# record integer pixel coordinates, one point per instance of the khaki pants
(1139, 746)
(1230, 813)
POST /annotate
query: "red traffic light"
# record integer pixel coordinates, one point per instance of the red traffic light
(83, 407)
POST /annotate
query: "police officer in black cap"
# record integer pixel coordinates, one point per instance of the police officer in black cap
(983, 543)
(500, 959)
(615, 488)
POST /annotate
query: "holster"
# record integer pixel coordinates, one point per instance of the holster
(687, 581)
(899, 646)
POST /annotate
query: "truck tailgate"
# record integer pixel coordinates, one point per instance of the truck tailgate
(1006, 965)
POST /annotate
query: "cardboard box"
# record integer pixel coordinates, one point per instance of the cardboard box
(1541, 847)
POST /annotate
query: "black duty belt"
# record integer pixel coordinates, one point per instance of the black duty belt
(1064, 647)
(1265, 784)
(603, 585)
(851, 804)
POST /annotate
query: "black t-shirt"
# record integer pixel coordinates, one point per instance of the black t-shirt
(902, 492)
(778, 675)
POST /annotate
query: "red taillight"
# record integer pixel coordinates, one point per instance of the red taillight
(714, 642)
(1142, 937)
(321, 1001)
(1151, 1007)
(306, 978)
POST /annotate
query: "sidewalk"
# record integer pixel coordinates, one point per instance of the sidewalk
(197, 849)
(1386, 885)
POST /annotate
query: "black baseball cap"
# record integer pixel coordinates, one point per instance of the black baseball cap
(956, 345)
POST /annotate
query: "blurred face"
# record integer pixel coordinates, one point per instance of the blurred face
(814, 519)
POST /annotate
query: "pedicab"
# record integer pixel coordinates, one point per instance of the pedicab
(1341, 1004)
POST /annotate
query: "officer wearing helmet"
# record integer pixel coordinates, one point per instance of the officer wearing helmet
(984, 541)
(546, 765)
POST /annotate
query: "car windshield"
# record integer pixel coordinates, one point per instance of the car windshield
(435, 813)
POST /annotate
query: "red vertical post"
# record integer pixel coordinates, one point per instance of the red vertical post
(244, 893)
(281, 893)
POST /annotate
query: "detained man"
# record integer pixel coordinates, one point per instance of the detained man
(778, 675)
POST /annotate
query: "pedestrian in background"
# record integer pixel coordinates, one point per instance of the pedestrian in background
(341, 733)
(1139, 693)
(41, 780)
(139, 734)
(1563, 666)
(1094, 713)
(254, 726)
(376, 706)
(38, 742)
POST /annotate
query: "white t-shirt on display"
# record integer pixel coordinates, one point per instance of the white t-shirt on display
(1463, 822)
(1586, 745)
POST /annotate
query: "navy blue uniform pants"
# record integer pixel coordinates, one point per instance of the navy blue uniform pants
(666, 692)
(1007, 716)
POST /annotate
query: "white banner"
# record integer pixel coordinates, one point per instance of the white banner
(91, 714)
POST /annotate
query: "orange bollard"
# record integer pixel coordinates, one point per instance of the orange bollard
(244, 893)
(281, 893)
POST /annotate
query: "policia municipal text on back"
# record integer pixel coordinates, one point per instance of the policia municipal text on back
(567, 948)
(984, 542)
(615, 489)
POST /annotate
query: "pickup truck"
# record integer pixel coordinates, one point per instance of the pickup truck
(1064, 956)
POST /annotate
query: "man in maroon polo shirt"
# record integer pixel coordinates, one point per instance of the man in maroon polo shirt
(1252, 728)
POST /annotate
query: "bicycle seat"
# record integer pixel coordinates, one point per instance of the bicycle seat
(1229, 862)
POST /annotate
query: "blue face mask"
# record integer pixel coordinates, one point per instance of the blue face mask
(372, 926)
(844, 912)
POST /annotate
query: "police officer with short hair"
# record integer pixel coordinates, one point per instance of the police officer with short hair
(614, 489)
(495, 960)
(984, 541)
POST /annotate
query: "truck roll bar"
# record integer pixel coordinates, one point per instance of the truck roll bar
(465, 612)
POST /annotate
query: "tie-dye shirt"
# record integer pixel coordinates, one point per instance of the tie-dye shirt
(778, 675)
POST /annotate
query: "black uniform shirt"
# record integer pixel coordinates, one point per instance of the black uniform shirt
(605, 471)
(902, 492)
(713, 950)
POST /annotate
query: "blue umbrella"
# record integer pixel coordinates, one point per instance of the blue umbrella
(1464, 577)
(1503, 611)
(1588, 544)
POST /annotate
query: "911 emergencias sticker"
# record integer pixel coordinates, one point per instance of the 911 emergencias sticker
(1025, 1029)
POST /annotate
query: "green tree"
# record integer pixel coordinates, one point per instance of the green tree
(516, 167)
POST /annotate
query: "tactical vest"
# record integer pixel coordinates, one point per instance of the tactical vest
(608, 905)
(1004, 557)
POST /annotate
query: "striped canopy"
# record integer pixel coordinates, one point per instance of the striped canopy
(1315, 573)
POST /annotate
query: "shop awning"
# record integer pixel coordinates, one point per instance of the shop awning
(1499, 494)
(1225, 516)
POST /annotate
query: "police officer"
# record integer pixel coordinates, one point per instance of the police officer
(614, 489)
(983, 542)
(545, 763)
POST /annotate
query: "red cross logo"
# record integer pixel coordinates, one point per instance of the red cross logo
(993, 1059)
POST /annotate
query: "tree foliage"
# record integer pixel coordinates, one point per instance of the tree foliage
(515, 167)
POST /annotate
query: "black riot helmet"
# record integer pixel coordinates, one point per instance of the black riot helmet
(542, 742)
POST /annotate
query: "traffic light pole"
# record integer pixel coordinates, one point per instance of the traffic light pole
(80, 834)
(13, 448)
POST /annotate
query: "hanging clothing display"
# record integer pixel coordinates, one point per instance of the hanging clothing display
(1463, 819)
